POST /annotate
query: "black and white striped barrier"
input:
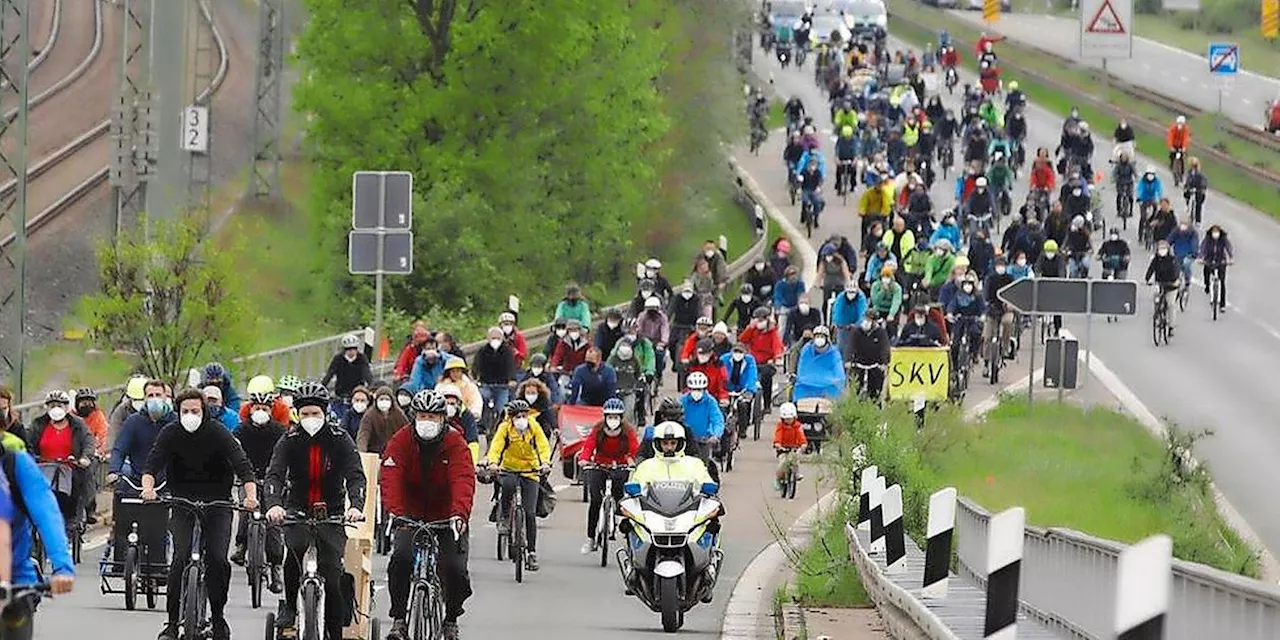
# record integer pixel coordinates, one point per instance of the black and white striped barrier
(895, 544)
(1004, 568)
(877, 516)
(938, 534)
(864, 496)
(1145, 577)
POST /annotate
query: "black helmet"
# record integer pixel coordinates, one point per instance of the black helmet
(538, 360)
(517, 406)
(85, 394)
(427, 401)
(761, 313)
(669, 409)
(311, 394)
(214, 371)
(706, 345)
(746, 290)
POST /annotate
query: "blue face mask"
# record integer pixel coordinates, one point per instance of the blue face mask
(157, 408)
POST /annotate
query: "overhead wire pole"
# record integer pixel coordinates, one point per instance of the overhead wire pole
(206, 60)
(167, 51)
(15, 26)
(132, 120)
(264, 176)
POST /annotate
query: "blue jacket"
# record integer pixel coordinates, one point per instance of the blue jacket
(747, 377)
(1148, 191)
(846, 148)
(229, 418)
(137, 434)
(949, 232)
(351, 422)
(847, 312)
(230, 397)
(804, 162)
(819, 374)
(593, 386)
(875, 265)
(702, 418)
(1184, 244)
(948, 292)
(39, 508)
(787, 295)
(425, 376)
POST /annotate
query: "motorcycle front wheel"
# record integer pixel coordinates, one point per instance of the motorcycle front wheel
(669, 603)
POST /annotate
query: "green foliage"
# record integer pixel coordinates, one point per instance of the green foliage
(168, 301)
(541, 135)
(825, 576)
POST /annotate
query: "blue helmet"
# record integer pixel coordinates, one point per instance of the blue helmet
(614, 406)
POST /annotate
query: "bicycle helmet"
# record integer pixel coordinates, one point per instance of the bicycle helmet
(821, 330)
(260, 384)
(697, 380)
(350, 341)
(506, 317)
(289, 383)
(746, 290)
(787, 411)
(1013, 85)
(706, 345)
(516, 407)
(670, 409)
(652, 302)
(264, 399)
(761, 313)
(704, 322)
(614, 406)
(57, 396)
(448, 390)
(311, 394)
(667, 432)
(454, 363)
(538, 360)
(427, 401)
(1050, 246)
(85, 394)
(652, 263)
(136, 388)
(980, 182)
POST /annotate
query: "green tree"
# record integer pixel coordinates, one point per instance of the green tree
(168, 301)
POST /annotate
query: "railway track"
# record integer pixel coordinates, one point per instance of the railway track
(95, 142)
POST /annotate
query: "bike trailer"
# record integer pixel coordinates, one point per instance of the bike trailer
(812, 414)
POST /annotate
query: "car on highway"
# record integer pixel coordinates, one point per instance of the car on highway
(826, 24)
(976, 5)
(785, 11)
(866, 16)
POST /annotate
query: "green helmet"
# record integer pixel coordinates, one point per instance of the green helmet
(288, 383)
(846, 131)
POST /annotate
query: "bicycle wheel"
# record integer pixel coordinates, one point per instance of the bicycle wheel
(994, 359)
(131, 578)
(517, 538)
(1155, 326)
(605, 530)
(192, 594)
(312, 618)
(1184, 297)
(255, 562)
(1215, 295)
(419, 618)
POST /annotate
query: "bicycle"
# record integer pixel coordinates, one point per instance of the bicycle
(743, 412)
(1177, 167)
(1124, 203)
(790, 477)
(22, 629)
(1160, 318)
(311, 611)
(862, 376)
(793, 185)
(1147, 234)
(1216, 299)
(1195, 206)
(255, 557)
(845, 180)
(426, 613)
(607, 528)
(193, 620)
(808, 213)
(516, 546)
(946, 156)
(61, 473)
(995, 348)
(136, 570)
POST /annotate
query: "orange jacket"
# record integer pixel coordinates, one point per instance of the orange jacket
(790, 436)
(1042, 175)
(96, 421)
(280, 412)
(1179, 137)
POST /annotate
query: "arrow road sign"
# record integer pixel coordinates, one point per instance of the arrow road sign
(1224, 58)
(1071, 296)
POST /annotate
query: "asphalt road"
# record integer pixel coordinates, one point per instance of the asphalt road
(1155, 66)
(1212, 376)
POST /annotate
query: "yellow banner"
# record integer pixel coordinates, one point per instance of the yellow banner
(991, 10)
(919, 372)
(1270, 18)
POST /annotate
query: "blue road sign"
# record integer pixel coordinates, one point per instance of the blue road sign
(1224, 58)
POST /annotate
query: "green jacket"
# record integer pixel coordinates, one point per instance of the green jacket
(642, 355)
(1000, 177)
(916, 261)
(887, 301)
(937, 269)
(575, 310)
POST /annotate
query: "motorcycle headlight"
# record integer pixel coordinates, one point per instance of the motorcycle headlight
(311, 565)
(132, 537)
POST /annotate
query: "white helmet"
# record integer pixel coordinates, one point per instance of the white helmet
(448, 390)
(506, 317)
(1181, 120)
(652, 263)
(980, 182)
(652, 302)
(697, 380)
(787, 411)
(1151, 169)
(351, 341)
(669, 431)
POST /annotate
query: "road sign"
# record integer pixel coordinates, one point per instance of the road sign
(382, 200)
(1106, 29)
(1113, 297)
(380, 252)
(1061, 363)
(1224, 58)
(991, 10)
(195, 129)
(1072, 296)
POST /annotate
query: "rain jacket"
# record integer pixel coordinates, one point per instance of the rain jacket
(787, 295)
(741, 376)
(949, 232)
(579, 310)
(887, 301)
(425, 374)
(702, 418)
(846, 312)
(809, 155)
(819, 374)
(35, 505)
(1184, 244)
(1148, 190)
(789, 436)
(522, 453)
(938, 269)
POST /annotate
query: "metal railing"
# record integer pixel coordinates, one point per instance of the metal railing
(311, 359)
(1069, 584)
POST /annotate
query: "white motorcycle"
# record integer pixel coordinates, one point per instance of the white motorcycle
(672, 557)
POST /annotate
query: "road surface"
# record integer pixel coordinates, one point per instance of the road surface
(1155, 66)
(1212, 375)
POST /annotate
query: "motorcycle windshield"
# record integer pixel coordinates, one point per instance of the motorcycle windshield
(670, 498)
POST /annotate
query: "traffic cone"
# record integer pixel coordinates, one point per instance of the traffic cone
(384, 348)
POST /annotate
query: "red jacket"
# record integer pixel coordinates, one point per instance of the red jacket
(404, 363)
(716, 376)
(445, 490)
(765, 346)
(519, 346)
(566, 358)
(981, 46)
(601, 448)
(690, 348)
(951, 58)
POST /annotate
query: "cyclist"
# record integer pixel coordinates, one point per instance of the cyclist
(920, 332)
(742, 307)
(1185, 243)
(788, 438)
(1178, 138)
(379, 425)
(200, 458)
(493, 367)
(264, 385)
(1149, 192)
(612, 442)
(593, 381)
(411, 352)
(1166, 272)
(702, 415)
(803, 318)
(574, 307)
(846, 154)
(133, 401)
(139, 431)
(348, 369)
(315, 467)
(1194, 189)
(460, 419)
(741, 376)
(765, 342)
(571, 351)
(794, 111)
(1124, 137)
(513, 337)
(96, 421)
(361, 399)
(286, 386)
(215, 373)
(819, 370)
(224, 415)
(427, 474)
(653, 271)
(1043, 179)
(455, 371)
(1079, 248)
(538, 371)
(1114, 256)
(258, 437)
(811, 186)
(1217, 253)
(60, 436)
(609, 331)
(427, 368)
(875, 204)
(998, 313)
(964, 314)
(520, 448)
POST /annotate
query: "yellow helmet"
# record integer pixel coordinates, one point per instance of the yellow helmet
(137, 388)
(846, 131)
(1051, 246)
(261, 384)
(1013, 85)
(455, 363)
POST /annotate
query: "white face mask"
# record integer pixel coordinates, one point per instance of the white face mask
(384, 404)
(404, 400)
(612, 424)
(968, 288)
(1000, 269)
(531, 398)
(312, 425)
(494, 344)
(450, 410)
(696, 394)
(1022, 262)
(919, 322)
(1215, 235)
(1050, 254)
(507, 329)
(759, 266)
(57, 414)
(625, 353)
(646, 293)
(866, 325)
(574, 335)
(612, 324)
(804, 308)
(746, 297)
(259, 416)
(762, 324)
(650, 273)
(851, 294)
(359, 407)
(686, 294)
(536, 371)
(190, 422)
(709, 253)
(427, 429)
(739, 357)
(138, 404)
(560, 333)
(819, 342)
(521, 424)
(704, 358)
(1162, 252)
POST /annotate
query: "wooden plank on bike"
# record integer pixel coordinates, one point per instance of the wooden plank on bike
(370, 463)
(358, 561)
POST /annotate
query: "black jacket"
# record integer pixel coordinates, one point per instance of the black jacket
(329, 458)
(684, 313)
(82, 442)
(259, 442)
(494, 366)
(606, 338)
(868, 347)
(917, 336)
(200, 465)
(349, 375)
(1164, 270)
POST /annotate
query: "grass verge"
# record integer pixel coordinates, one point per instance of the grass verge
(919, 24)
(1052, 460)
(824, 574)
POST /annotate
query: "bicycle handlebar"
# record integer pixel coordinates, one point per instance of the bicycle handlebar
(201, 505)
(10, 593)
(302, 519)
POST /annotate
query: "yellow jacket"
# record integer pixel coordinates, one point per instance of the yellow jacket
(876, 202)
(522, 453)
(680, 467)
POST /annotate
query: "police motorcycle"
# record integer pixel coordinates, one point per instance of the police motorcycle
(672, 557)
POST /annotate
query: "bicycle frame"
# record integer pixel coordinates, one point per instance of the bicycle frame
(426, 612)
(194, 607)
(311, 622)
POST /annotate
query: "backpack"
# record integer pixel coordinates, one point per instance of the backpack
(7, 464)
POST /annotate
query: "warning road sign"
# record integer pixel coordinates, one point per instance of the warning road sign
(1224, 58)
(1106, 29)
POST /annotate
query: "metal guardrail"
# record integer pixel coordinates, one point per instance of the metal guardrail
(1069, 582)
(311, 359)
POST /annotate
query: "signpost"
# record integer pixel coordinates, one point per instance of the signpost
(1069, 296)
(1224, 63)
(1106, 31)
(381, 237)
